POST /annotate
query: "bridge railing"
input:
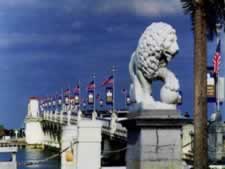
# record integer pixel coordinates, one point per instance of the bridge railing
(115, 129)
(110, 125)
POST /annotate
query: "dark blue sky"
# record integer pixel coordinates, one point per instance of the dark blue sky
(46, 46)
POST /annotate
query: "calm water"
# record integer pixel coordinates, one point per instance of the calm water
(27, 155)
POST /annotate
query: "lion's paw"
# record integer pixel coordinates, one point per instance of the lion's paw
(173, 84)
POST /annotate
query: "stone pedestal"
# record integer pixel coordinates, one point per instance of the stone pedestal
(68, 158)
(89, 144)
(154, 140)
(215, 141)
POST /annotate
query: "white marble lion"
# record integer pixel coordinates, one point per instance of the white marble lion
(156, 47)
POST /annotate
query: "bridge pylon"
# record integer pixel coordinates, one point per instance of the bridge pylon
(33, 129)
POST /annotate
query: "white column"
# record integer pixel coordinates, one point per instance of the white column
(68, 158)
(89, 145)
(34, 132)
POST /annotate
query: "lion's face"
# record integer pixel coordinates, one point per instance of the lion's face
(170, 46)
(156, 47)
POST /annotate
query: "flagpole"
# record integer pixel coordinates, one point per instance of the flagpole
(114, 88)
(62, 109)
(218, 30)
(79, 93)
(94, 108)
(70, 105)
(125, 99)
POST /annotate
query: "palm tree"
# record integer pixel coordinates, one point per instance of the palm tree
(205, 15)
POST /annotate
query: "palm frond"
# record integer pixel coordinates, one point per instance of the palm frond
(214, 11)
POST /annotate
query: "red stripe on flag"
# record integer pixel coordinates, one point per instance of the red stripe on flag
(216, 62)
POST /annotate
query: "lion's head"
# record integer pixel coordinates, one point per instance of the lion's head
(156, 47)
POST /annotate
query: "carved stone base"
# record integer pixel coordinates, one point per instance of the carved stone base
(140, 107)
(154, 140)
(215, 141)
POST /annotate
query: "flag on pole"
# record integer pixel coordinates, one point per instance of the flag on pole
(217, 59)
(91, 85)
(66, 96)
(108, 81)
(66, 92)
(76, 90)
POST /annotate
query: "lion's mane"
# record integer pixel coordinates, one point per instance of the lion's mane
(151, 45)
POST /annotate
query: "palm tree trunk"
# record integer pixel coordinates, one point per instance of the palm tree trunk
(200, 100)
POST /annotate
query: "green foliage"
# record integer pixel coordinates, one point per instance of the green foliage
(2, 126)
(213, 11)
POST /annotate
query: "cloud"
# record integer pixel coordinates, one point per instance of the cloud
(138, 7)
(19, 3)
(21, 39)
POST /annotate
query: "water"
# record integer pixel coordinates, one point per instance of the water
(28, 155)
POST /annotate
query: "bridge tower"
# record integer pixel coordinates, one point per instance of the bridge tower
(33, 129)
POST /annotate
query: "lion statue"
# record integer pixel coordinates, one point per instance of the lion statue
(156, 47)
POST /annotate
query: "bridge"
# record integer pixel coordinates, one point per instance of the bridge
(59, 126)
(52, 121)
(44, 127)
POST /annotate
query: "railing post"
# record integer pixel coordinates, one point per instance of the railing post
(47, 115)
(68, 117)
(51, 115)
(94, 115)
(61, 114)
(44, 116)
(113, 123)
(79, 115)
(55, 115)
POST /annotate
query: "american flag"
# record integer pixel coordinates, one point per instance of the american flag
(217, 59)
(66, 92)
(108, 81)
(91, 85)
